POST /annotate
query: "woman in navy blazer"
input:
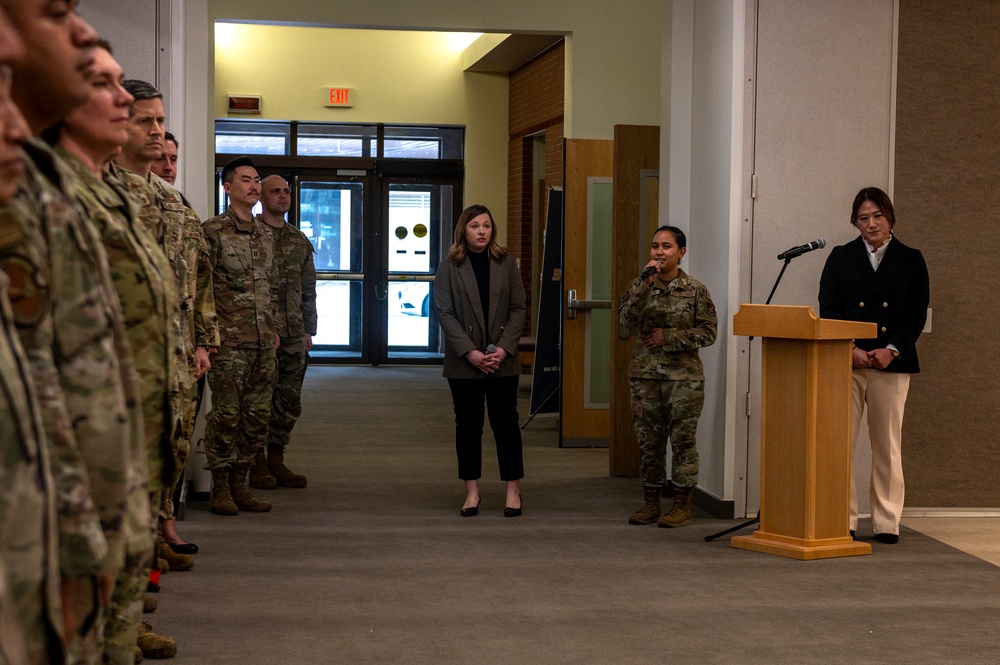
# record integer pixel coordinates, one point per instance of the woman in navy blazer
(480, 350)
(876, 278)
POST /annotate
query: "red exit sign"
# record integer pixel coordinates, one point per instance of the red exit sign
(341, 97)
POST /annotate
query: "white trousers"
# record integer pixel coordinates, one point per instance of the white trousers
(884, 394)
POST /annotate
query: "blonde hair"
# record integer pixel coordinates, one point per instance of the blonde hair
(458, 248)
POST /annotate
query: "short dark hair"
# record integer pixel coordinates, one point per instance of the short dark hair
(879, 198)
(167, 136)
(679, 236)
(229, 170)
(141, 90)
(104, 44)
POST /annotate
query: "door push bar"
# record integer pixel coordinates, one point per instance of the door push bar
(572, 304)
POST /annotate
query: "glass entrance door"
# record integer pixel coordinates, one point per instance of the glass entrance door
(332, 215)
(375, 265)
(418, 225)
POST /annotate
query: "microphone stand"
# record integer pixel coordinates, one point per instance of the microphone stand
(755, 520)
(775, 287)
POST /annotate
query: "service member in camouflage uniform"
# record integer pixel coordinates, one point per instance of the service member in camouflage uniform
(71, 327)
(295, 321)
(29, 548)
(244, 370)
(29, 555)
(165, 165)
(146, 290)
(178, 231)
(674, 316)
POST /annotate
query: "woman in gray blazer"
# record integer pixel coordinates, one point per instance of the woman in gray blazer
(480, 299)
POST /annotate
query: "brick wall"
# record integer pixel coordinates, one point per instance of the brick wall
(536, 106)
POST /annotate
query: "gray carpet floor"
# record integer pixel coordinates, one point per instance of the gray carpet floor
(372, 563)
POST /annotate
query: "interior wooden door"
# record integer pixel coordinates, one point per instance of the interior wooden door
(586, 419)
(636, 216)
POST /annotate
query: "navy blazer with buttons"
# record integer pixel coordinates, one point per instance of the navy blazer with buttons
(895, 297)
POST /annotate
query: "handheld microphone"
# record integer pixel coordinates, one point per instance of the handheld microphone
(819, 243)
(491, 349)
(649, 271)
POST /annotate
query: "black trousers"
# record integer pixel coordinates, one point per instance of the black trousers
(500, 396)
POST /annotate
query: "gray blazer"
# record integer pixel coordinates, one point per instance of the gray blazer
(456, 299)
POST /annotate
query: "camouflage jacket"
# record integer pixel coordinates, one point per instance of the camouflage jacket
(144, 285)
(295, 273)
(241, 256)
(178, 231)
(71, 327)
(29, 547)
(683, 309)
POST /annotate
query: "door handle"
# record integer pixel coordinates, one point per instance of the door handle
(572, 304)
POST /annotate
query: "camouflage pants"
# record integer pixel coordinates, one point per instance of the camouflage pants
(125, 612)
(662, 410)
(242, 381)
(189, 411)
(122, 629)
(286, 404)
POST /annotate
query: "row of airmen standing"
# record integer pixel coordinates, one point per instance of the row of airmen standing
(109, 291)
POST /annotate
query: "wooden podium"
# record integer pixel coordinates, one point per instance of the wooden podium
(805, 451)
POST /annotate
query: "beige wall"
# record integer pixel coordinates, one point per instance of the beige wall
(400, 76)
(606, 83)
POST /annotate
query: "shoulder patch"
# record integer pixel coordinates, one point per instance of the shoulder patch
(11, 233)
(28, 296)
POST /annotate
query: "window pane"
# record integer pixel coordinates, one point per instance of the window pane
(333, 140)
(409, 231)
(330, 147)
(409, 314)
(252, 138)
(424, 142)
(409, 149)
(330, 215)
(338, 308)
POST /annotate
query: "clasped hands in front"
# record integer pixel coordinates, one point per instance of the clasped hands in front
(487, 363)
(877, 358)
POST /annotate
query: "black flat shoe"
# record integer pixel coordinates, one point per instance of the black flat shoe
(853, 535)
(184, 548)
(512, 512)
(887, 538)
(471, 512)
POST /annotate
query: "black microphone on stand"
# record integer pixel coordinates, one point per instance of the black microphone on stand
(789, 254)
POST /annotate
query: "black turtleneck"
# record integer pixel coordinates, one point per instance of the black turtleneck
(481, 267)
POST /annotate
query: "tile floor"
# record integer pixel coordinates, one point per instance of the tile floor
(978, 536)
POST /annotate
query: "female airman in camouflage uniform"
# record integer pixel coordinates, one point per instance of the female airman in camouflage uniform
(674, 316)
